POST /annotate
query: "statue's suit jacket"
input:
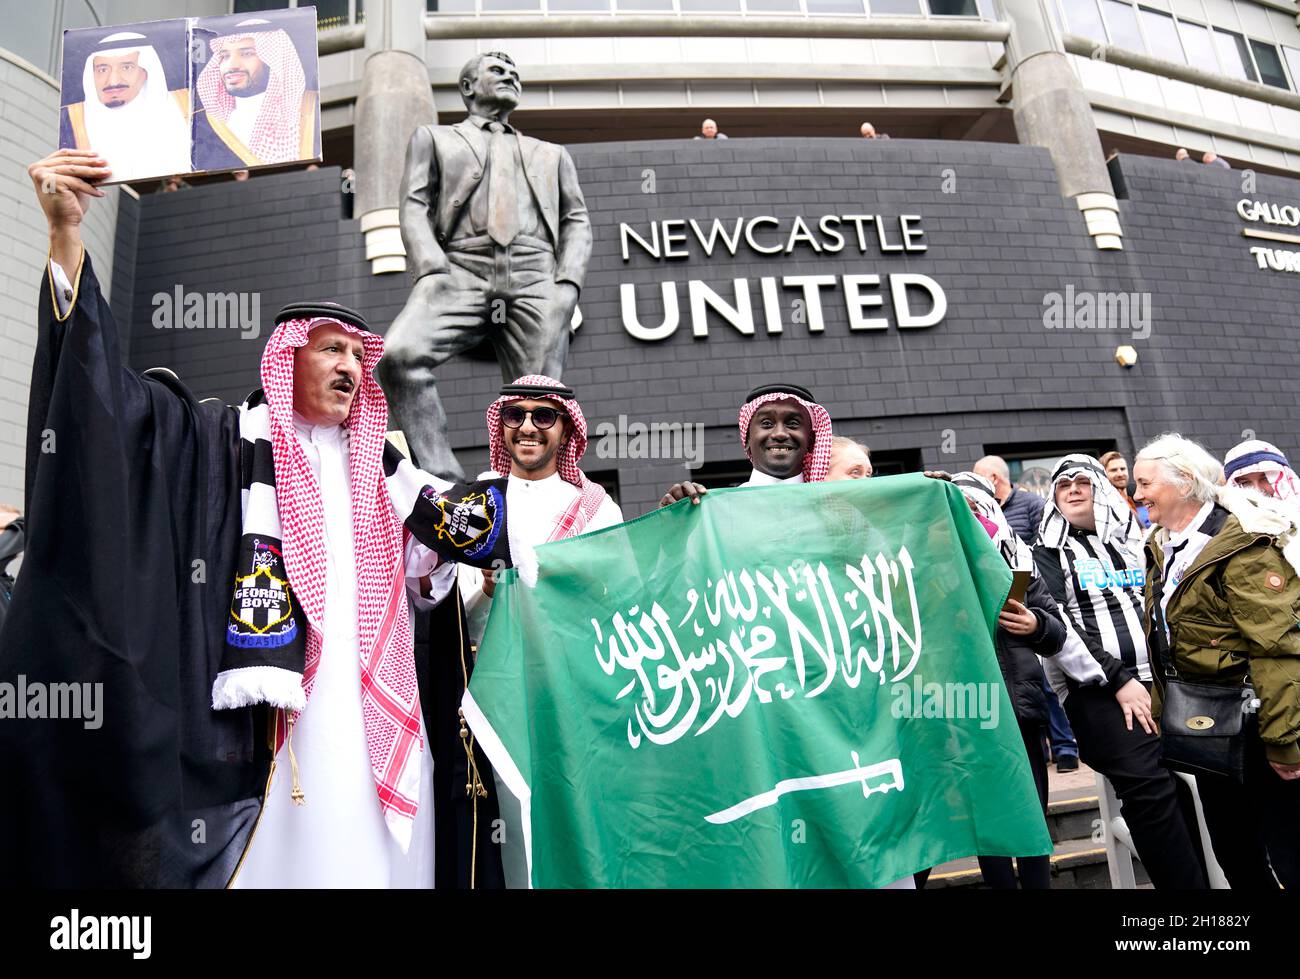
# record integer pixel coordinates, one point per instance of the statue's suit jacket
(444, 164)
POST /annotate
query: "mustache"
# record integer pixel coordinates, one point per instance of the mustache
(343, 384)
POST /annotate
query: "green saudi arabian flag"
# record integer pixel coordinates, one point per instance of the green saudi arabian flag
(785, 686)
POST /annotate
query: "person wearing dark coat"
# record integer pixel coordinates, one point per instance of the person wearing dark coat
(1024, 511)
(11, 547)
(1025, 632)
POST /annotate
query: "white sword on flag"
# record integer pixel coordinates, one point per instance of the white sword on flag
(858, 773)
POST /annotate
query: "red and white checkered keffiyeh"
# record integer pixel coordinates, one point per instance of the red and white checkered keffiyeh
(390, 693)
(276, 134)
(574, 519)
(817, 463)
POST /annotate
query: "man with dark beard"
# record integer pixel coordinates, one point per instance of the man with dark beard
(537, 435)
(255, 106)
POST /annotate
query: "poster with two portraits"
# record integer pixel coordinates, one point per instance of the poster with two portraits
(195, 95)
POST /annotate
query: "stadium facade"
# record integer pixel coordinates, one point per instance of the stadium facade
(961, 288)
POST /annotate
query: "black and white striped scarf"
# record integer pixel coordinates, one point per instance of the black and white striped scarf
(979, 491)
(266, 634)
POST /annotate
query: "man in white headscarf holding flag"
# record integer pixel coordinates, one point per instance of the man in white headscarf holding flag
(537, 435)
(255, 108)
(236, 582)
(128, 115)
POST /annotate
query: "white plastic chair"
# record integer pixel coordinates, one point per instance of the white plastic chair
(1120, 850)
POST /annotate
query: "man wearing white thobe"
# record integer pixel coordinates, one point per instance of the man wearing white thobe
(342, 818)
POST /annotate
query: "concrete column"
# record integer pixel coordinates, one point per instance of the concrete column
(1050, 109)
(395, 98)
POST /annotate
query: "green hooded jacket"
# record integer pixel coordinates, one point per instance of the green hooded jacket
(1234, 614)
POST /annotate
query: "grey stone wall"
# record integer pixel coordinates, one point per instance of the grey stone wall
(29, 122)
(1221, 355)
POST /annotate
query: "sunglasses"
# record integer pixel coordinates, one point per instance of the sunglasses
(512, 416)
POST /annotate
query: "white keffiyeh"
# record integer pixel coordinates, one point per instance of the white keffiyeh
(1116, 522)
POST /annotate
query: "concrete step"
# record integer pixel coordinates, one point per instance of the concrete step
(1074, 821)
(1076, 865)
(1073, 814)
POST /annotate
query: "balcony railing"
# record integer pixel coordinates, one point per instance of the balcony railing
(982, 9)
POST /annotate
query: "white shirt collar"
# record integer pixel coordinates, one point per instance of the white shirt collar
(1193, 528)
(548, 484)
(759, 478)
(317, 433)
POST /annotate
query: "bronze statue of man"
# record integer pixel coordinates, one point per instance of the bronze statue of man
(497, 238)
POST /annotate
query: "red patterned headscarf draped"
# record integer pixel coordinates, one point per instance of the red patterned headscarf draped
(817, 463)
(276, 134)
(390, 695)
(591, 495)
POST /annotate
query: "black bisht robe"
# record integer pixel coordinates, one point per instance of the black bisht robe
(133, 522)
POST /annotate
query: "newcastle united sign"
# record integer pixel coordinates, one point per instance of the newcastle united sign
(872, 301)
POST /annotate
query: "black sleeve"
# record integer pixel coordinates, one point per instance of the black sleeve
(461, 522)
(81, 393)
(1051, 577)
(1050, 637)
(12, 542)
(132, 522)
(1036, 508)
(1048, 562)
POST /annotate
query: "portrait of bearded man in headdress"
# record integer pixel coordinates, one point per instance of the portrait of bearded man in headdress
(256, 101)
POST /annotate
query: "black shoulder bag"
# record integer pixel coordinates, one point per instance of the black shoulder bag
(1203, 726)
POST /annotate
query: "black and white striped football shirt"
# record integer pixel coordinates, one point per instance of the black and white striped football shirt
(1099, 586)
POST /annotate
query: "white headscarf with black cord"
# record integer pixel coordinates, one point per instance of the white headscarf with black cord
(1116, 522)
(979, 491)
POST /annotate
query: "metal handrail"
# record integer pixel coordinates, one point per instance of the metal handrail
(1139, 61)
(460, 26)
(337, 39)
